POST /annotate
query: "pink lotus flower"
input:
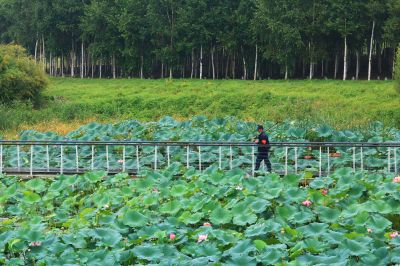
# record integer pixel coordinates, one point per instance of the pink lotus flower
(396, 179)
(202, 238)
(394, 234)
(172, 236)
(369, 230)
(325, 191)
(207, 224)
(306, 203)
(35, 244)
(120, 161)
(155, 190)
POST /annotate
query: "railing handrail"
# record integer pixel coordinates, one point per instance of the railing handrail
(195, 143)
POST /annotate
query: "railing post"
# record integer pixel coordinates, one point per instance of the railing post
(295, 159)
(123, 159)
(362, 159)
(18, 159)
(155, 158)
(31, 162)
(77, 158)
(200, 158)
(231, 157)
(354, 159)
(107, 159)
(253, 166)
(329, 161)
(61, 159)
(137, 159)
(47, 158)
(168, 157)
(92, 164)
(187, 156)
(286, 160)
(389, 165)
(220, 157)
(320, 161)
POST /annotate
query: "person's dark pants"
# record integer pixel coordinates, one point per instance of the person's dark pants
(263, 156)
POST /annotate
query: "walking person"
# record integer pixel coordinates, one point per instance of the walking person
(263, 149)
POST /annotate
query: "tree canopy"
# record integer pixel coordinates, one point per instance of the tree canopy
(207, 39)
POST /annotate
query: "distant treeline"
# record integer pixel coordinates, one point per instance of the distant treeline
(242, 39)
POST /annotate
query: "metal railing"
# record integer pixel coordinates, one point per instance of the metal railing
(74, 157)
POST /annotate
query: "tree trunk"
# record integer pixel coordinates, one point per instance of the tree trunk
(141, 66)
(234, 66)
(370, 50)
(92, 67)
(286, 72)
(322, 69)
(201, 62)
(244, 66)
(82, 60)
(162, 69)
(379, 52)
(212, 62)
(358, 65)
(62, 64)
(44, 55)
(51, 66)
(227, 67)
(114, 71)
(72, 64)
(255, 64)
(101, 68)
(336, 66)
(36, 47)
(393, 62)
(192, 70)
(311, 74)
(345, 59)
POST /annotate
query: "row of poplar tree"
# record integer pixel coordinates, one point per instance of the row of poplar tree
(247, 39)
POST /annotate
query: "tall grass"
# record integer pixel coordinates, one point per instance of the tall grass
(341, 104)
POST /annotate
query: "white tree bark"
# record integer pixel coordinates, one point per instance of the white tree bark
(212, 61)
(36, 47)
(141, 67)
(82, 60)
(192, 71)
(62, 65)
(72, 64)
(101, 68)
(286, 72)
(345, 59)
(51, 65)
(358, 64)
(201, 62)
(44, 55)
(311, 74)
(255, 63)
(114, 71)
(370, 50)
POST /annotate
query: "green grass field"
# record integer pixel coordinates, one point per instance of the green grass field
(73, 102)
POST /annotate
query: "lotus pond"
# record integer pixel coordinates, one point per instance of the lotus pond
(180, 216)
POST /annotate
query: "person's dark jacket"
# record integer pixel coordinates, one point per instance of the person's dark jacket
(263, 142)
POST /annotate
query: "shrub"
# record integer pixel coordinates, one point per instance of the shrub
(20, 78)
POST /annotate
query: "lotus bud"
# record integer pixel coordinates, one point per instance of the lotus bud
(325, 191)
(369, 230)
(202, 238)
(207, 224)
(396, 179)
(394, 234)
(120, 161)
(306, 203)
(172, 236)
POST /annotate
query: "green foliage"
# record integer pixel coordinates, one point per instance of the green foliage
(53, 222)
(20, 78)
